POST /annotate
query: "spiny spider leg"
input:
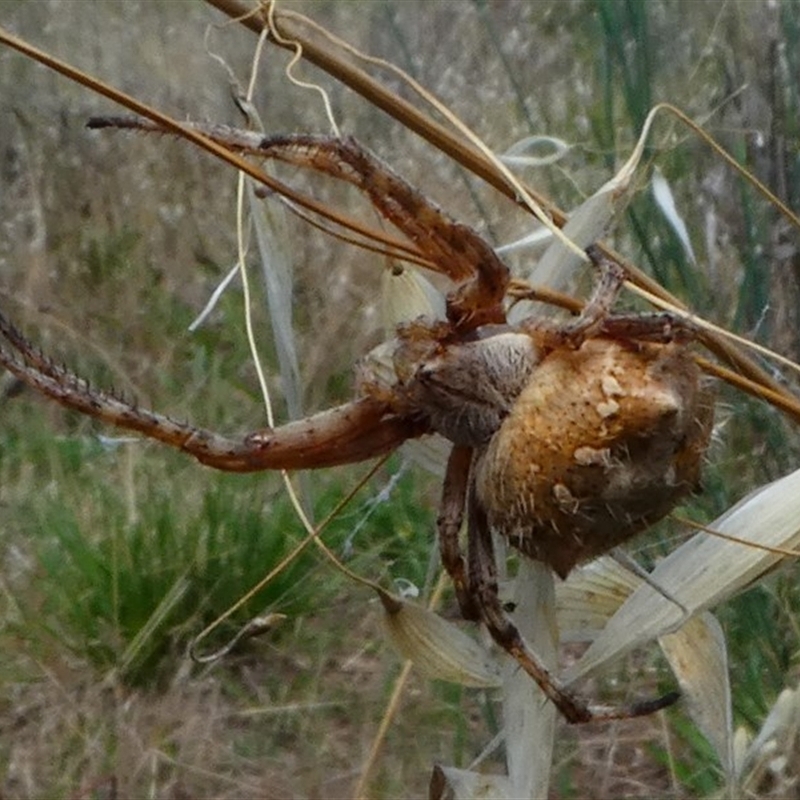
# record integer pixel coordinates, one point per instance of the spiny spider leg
(596, 317)
(483, 581)
(660, 327)
(362, 429)
(592, 317)
(598, 308)
(452, 248)
(457, 250)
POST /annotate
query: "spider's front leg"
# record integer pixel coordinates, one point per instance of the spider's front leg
(356, 431)
(448, 247)
(452, 248)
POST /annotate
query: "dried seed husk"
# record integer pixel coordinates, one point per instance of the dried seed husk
(590, 596)
(407, 294)
(588, 223)
(449, 783)
(438, 648)
(696, 651)
(699, 658)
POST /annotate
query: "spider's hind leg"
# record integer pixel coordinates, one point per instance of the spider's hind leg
(483, 582)
(451, 515)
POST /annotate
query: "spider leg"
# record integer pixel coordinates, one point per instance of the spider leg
(451, 515)
(356, 431)
(596, 318)
(483, 581)
(598, 308)
(454, 249)
(594, 314)
(660, 327)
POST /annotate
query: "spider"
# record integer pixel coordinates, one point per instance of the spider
(567, 437)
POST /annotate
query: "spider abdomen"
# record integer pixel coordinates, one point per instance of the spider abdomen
(602, 442)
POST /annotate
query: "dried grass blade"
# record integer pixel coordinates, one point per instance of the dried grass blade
(665, 200)
(269, 223)
(776, 741)
(528, 718)
(699, 658)
(703, 572)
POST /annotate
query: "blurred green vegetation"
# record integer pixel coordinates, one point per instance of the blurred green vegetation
(137, 552)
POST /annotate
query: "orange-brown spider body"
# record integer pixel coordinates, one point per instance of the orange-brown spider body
(602, 442)
(568, 438)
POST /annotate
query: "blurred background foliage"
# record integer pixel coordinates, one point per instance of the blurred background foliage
(115, 554)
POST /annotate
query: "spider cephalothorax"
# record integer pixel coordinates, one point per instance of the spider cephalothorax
(568, 438)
